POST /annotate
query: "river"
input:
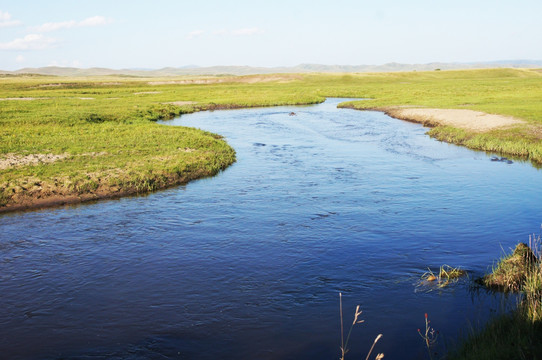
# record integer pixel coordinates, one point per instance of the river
(249, 264)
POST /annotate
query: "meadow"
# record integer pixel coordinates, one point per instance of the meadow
(103, 139)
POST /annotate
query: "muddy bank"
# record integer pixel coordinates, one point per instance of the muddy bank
(51, 196)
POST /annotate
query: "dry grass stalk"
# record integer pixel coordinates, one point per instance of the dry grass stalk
(429, 336)
(344, 343)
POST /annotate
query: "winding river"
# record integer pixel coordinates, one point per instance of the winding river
(249, 264)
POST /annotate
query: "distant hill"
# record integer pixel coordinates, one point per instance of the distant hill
(249, 70)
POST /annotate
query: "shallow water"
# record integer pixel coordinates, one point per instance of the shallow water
(249, 264)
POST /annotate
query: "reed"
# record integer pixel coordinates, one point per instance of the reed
(344, 343)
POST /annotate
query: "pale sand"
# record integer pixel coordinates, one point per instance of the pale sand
(460, 118)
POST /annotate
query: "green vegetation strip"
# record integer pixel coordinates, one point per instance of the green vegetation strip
(75, 139)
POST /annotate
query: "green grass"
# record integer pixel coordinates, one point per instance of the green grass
(512, 270)
(514, 335)
(509, 336)
(105, 126)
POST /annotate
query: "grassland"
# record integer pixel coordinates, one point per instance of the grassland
(104, 130)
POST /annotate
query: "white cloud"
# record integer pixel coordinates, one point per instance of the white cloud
(220, 32)
(5, 20)
(29, 42)
(55, 26)
(246, 31)
(20, 59)
(88, 22)
(195, 34)
(94, 21)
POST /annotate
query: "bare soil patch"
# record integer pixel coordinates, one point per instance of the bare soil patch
(460, 118)
(180, 103)
(12, 160)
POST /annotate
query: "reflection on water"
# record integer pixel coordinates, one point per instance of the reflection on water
(249, 264)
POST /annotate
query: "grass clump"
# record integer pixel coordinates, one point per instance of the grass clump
(446, 275)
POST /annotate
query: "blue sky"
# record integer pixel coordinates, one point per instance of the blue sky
(160, 33)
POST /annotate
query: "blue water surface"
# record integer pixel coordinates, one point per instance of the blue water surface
(249, 264)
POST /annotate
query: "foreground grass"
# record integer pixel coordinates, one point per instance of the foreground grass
(513, 335)
(509, 336)
(104, 127)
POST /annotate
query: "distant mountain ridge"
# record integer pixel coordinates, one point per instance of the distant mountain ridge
(250, 70)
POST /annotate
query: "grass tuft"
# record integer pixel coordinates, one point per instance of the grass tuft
(511, 272)
(446, 275)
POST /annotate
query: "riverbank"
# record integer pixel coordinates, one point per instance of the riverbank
(476, 130)
(51, 196)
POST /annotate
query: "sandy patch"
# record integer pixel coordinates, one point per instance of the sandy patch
(51, 85)
(460, 118)
(278, 78)
(185, 82)
(86, 98)
(22, 99)
(12, 160)
(180, 103)
(147, 92)
(251, 79)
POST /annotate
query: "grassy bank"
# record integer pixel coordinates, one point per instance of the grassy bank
(103, 133)
(509, 92)
(101, 136)
(514, 335)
